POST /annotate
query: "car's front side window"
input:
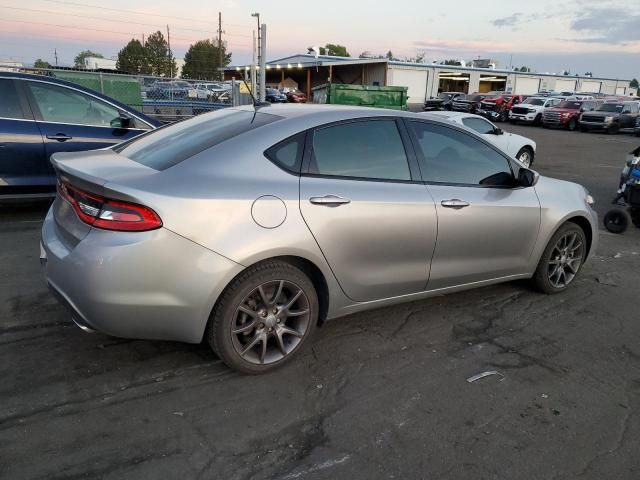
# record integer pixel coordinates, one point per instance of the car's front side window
(454, 157)
(478, 124)
(371, 149)
(64, 105)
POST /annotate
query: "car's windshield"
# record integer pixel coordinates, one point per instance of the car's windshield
(445, 95)
(611, 107)
(534, 101)
(569, 105)
(171, 145)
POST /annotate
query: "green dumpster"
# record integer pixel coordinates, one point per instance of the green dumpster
(123, 88)
(361, 95)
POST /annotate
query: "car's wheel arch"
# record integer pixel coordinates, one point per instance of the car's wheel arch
(577, 219)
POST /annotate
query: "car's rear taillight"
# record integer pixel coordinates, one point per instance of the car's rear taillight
(109, 214)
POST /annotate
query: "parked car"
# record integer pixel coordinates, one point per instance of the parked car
(323, 212)
(274, 96)
(519, 147)
(171, 90)
(611, 117)
(497, 108)
(205, 91)
(636, 129)
(567, 114)
(443, 101)
(469, 104)
(296, 96)
(532, 109)
(42, 115)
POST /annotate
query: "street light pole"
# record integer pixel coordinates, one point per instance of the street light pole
(258, 74)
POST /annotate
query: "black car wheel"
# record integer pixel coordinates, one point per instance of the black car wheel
(616, 221)
(571, 126)
(264, 317)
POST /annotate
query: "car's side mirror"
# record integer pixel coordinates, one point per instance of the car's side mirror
(123, 121)
(498, 131)
(527, 178)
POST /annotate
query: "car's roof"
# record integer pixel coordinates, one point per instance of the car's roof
(296, 110)
(450, 115)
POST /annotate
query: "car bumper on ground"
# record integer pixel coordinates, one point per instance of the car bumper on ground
(151, 285)
(594, 125)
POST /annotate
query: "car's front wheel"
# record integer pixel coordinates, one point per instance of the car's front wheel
(562, 259)
(525, 156)
(264, 317)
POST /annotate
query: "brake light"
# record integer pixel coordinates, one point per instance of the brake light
(109, 214)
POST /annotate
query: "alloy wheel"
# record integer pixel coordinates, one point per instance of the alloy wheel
(565, 260)
(270, 322)
(525, 158)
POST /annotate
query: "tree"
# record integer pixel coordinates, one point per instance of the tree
(202, 61)
(390, 56)
(39, 63)
(334, 50)
(634, 83)
(161, 62)
(79, 60)
(133, 58)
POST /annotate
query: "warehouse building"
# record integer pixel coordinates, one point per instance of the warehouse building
(423, 80)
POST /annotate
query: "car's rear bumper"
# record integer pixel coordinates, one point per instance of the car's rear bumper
(152, 285)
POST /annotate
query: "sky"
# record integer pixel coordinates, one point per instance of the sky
(598, 36)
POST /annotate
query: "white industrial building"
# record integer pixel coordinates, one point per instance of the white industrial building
(423, 80)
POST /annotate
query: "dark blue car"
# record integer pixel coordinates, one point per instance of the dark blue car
(42, 115)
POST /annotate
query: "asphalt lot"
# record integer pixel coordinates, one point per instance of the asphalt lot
(381, 394)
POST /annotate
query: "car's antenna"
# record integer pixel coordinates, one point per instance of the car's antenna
(256, 103)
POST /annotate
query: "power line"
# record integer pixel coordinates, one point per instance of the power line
(120, 10)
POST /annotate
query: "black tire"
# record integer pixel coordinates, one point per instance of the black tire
(513, 121)
(616, 221)
(544, 125)
(503, 117)
(538, 120)
(613, 129)
(541, 278)
(572, 125)
(531, 155)
(219, 331)
(584, 129)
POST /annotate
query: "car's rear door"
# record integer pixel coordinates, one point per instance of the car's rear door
(363, 200)
(23, 165)
(487, 225)
(72, 120)
(629, 115)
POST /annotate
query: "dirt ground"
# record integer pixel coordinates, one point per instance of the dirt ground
(381, 394)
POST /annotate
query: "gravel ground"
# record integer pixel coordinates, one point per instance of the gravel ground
(381, 394)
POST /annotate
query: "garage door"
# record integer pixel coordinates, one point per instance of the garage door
(621, 90)
(414, 80)
(590, 86)
(527, 86)
(565, 85)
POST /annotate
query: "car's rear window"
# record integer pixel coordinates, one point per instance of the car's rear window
(175, 143)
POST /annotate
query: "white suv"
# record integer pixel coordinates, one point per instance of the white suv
(531, 110)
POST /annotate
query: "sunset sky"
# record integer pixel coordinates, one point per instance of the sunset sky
(598, 36)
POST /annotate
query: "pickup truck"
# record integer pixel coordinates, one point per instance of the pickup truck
(443, 101)
(470, 104)
(567, 114)
(611, 117)
(497, 108)
(532, 109)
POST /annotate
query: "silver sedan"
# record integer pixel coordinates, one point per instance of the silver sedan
(249, 228)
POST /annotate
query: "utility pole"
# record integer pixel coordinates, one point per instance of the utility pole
(253, 67)
(170, 56)
(258, 74)
(263, 66)
(220, 53)
(55, 54)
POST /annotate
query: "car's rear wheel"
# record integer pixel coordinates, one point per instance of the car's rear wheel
(538, 120)
(562, 259)
(525, 156)
(264, 317)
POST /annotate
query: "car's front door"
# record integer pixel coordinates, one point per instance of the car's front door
(362, 198)
(23, 163)
(487, 225)
(71, 120)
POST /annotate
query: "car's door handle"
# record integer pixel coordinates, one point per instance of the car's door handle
(61, 137)
(329, 200)
(454, 203)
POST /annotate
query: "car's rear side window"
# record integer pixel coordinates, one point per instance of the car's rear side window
(175, 143)
(10, 105)
(288, 153)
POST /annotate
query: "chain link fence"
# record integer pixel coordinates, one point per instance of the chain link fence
(166, 99)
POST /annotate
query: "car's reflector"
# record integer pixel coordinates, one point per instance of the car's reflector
(109, 214)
